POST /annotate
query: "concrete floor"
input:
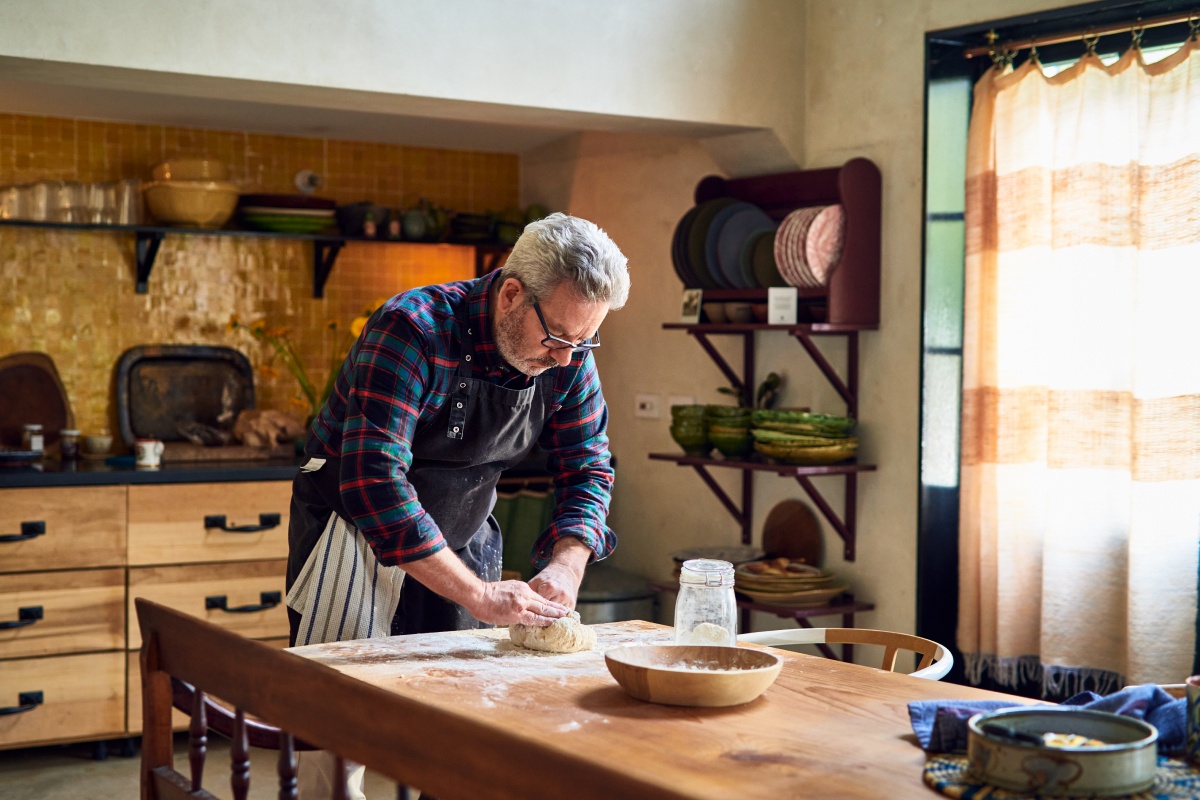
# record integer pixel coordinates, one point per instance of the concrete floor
(70, 772)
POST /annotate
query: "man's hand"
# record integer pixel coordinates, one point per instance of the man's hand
(509, 602)
(501, 603)
(560, 580)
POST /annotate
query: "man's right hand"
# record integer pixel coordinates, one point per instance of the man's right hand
(501, 603)
(513, 602)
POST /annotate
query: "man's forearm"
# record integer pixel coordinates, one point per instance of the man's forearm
(445, 574)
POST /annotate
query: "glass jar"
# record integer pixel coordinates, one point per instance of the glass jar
(32, 437)
(68, 444)
(706, 611)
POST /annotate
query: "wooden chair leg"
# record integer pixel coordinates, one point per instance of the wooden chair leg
(239, 756)
(198, 741)
(287, 767)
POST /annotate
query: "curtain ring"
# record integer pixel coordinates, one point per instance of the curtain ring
(1193, 27)
(1033, 54)
(1089, 41)
(1136, 33)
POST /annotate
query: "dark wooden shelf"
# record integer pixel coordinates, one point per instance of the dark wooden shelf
(787, 470)
(812, 329)
(326, 246)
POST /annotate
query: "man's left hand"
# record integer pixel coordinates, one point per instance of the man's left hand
(560, 580)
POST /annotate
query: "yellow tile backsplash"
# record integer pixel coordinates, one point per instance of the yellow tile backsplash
(71, 293)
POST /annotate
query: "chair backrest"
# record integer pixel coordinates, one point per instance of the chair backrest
(936, 660)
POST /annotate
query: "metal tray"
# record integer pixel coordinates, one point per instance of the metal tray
(161, 386)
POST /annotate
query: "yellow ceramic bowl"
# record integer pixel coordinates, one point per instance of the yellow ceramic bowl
(190, 169)
(203, 204)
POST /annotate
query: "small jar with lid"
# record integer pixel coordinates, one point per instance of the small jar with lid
(32, 437)
(706, 610)
(68, 444)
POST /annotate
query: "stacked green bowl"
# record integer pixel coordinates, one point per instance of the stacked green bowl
(802, 438)
(729, 429)
(690, 430)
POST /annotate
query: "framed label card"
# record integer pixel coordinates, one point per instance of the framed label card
(689, 312)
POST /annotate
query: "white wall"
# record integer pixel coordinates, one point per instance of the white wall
(719, 62)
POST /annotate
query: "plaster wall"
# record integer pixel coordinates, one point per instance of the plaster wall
(720, 62)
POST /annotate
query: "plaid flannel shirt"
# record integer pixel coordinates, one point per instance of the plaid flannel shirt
(397, 376)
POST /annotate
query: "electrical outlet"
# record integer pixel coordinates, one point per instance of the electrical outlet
(647, 406)
(681, 400)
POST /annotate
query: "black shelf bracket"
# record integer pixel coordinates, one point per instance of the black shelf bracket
(147, 250)
(325, 253)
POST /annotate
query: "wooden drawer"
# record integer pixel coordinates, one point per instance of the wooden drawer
(187, 589)
(79, 611)
(84, 526)
(82, 697)
(167, 523)
(134, 693)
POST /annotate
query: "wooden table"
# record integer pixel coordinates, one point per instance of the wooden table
(528, 724)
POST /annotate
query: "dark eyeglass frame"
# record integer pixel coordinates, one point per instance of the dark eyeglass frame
(552, 342)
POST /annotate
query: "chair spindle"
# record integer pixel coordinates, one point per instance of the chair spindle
(197, 740)
(239, 757)
(287, 767)
(340, 785)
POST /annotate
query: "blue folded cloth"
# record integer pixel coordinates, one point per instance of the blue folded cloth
(941, 725)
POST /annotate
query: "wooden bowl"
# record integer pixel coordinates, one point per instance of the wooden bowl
(706, 676)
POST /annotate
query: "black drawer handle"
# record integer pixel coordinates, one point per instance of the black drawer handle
(265, 523)
(268, 601)
(28, 531)
(27, 701)
(25, 616)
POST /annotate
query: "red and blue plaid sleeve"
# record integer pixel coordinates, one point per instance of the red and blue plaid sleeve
(392, 367)
(576, 439)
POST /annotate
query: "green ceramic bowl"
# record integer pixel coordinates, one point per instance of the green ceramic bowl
(687, 412)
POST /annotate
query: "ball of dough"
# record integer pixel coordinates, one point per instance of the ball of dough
(566, 635)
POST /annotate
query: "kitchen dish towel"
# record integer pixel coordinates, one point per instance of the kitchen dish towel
(343, 592)
(941, 725)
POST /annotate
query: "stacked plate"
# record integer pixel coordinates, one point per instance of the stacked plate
(287, 213)
(787, 582)
(725, 244)
(801, 438)
(809, 243)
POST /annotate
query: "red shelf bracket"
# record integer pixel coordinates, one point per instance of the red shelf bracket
(741, 515)
(844, 526)
(847, 389)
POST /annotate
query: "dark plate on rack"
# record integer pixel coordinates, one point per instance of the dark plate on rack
(679, 249)
(32, 393)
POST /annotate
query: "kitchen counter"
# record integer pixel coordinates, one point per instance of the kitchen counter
(116, 472)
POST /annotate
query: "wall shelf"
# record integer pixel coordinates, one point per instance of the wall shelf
(325, 246)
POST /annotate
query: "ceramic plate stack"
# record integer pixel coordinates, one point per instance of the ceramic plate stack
(801, 438)
(287, 213)
(808, 245)
(786, 582)
(725, 244)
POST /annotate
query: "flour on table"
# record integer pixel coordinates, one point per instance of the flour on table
(566, 635)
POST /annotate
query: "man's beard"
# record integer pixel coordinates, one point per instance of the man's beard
(508, 337)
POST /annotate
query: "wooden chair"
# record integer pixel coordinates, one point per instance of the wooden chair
(935, 663)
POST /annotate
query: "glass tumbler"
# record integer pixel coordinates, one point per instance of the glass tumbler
(706, 610)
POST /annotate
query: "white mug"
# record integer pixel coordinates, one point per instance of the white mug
(148, 452)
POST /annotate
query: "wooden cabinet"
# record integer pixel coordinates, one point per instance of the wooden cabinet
(72, 560)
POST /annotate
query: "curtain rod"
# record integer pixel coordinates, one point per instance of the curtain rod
(1086, 34)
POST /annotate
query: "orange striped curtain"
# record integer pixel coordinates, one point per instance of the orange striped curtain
(1080, 482)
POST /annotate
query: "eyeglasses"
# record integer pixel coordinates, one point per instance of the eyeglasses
(552, 342)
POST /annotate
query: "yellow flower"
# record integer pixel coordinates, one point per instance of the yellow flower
(357, 325)
(233, 323)
(331, 324)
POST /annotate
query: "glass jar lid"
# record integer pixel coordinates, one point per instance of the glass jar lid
(706, 572)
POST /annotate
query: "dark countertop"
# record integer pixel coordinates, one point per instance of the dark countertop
(99, 473)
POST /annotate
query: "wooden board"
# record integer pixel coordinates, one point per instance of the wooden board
(791, 530)
(33, 394)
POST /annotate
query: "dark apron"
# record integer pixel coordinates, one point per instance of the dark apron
(481, 430)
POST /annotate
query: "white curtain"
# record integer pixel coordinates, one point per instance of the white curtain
(1080, 503)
